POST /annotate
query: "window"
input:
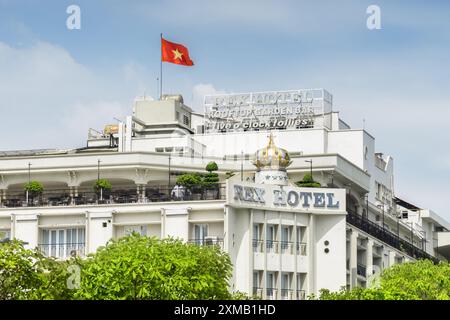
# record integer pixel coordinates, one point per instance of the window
(63, 243)
(255, 231)
(5, 235)
(200, 232)
(285, 286)
(185, 120)
(255, 280)
(159, 149)
(270, 284)
(285, 238)
(270, 236)
(141, 230)
(177, 116)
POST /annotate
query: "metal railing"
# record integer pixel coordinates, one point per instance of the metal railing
(62, 250)
(207, 242)
(271, 293)
(387, 236)
(86, 196)
(284, 247)
(361, 270)
(258, 292)
(301, 295)
(286, 294)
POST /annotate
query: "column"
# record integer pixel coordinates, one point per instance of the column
(311, 248)
(369, 258)
(391, 258)
(264, 236)
(143, 193)
(353, 256)
(138, 193)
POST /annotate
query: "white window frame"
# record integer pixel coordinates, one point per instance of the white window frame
(63, 242)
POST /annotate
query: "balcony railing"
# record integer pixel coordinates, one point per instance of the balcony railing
(86, 196)
(284, 247)
(272, 293)
(301, 295)
(63, 250)
(286, 294)
(207, 242)
(361, 270)
(387, 236)
(258, 292)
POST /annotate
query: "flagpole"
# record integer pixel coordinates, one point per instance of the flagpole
(160, 73)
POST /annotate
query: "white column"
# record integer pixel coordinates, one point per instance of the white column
(128, 134)
(311, 245)
(353, 258)
(369, 258)
(391, 258)
(264, 236)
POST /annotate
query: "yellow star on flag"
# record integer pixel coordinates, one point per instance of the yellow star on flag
(177, 54)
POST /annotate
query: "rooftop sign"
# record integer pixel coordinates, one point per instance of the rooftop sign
(265, 110)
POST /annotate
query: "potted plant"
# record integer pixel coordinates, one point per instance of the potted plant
(308, 182)
(34, 189)
(211, 179)
(191, 181)
(102, 188)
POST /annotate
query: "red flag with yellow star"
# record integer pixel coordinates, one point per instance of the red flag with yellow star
(175, 53)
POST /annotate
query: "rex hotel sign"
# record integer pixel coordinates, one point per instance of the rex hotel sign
(286, 197)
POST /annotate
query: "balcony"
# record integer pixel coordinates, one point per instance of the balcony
(86, 196)
(361, 270)
(301, 295)
(62, 250)
(258, 292)
(207, 241)
(287, 294)
(283, 247)
(272, 294)
(387, 236)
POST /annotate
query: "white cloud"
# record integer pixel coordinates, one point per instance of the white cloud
(50, 100)
(199, 91)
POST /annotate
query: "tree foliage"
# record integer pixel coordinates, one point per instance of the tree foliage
(137, 267)
(34, 187)
(189, 180)
(102, 184)
(308, 182)
(27, 274)
(420, 280)
(212, 166)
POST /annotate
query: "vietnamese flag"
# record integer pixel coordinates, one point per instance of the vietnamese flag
(175, 53)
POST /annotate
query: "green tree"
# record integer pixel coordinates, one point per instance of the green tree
(102, 184)
(211, 179)
(137, 267)
(308, 182)
(27, 274)
(189, 180)
(419, 280)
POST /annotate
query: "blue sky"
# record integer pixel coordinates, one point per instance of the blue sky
(56, 83)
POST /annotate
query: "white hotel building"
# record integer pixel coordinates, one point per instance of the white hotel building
(285, 242)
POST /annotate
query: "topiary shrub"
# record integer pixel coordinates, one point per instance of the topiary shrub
(211, 166)
(189, 180)
(308, 182)
(102, 184)
(34, 188)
